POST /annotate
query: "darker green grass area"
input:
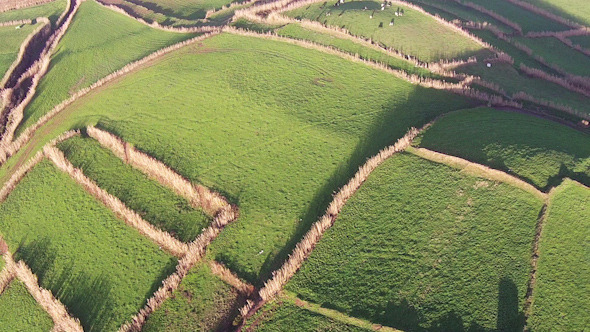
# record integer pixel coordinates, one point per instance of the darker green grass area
(12, 37)
(424, 247)
(52, 10)
(157, 204)
(20, 312)
(539, 151)
(561, 294)
(100, 268)
(279, 316)
(202, 302)
(559, 54)
(583, 41)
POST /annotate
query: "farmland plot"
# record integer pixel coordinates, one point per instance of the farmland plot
(20, 312)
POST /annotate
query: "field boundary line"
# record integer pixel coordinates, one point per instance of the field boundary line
(231, 278)
(515, 26)
(198, 195)
(6, 276)
(8, 149)
(476, 169)
(130, 217)
(542, 12)
(307, 243)
(62, 320)
(457, 88)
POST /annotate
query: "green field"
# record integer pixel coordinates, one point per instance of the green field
(295, 31)
(188, 10)
(561, 295)
(576, 10)
(202, 303)
(156, 204)
(51, 10)
(583, 41)
(414, 33)
(557, 53)
(100, 268)
(540, 151)
(12, 39)
(280, 314)
(20, 313)
(423, 247)
(277, 142)
(98, 42)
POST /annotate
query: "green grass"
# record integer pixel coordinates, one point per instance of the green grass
(20, 313)
(527, 20)
(100, 268)
(51, 10)
(98, 42)
(560, 297)
(203, 302)
(556, 52)
(576, 10)
(422, 246)
(540, 151)
(156, 204)
(183, 9)
(583, 41)
(414, 33)
(12, 39)
(296, 31)
(275, 141)
(281, 314)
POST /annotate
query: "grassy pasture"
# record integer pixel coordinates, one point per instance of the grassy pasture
(540, 151)
(275, 141)
(20, 313)
(527, 20)
(424, 247)
(51, 10)
(296, 31)
(98, 42)
(182, 9)
(556, 52)
(583, 41)
(12, 39)
(414, 33)
(100, 268)
(576, 10)
(155, 203)
(203, 302)
(561, 295)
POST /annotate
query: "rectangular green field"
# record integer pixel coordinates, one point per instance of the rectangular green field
(414, 33)
(158, 205)
(51, 10)
(12, 37)
(422, 246)
(562, 291)
(557, 53)
(539, 151)
(100, 268)
(20, 312)
(203, 302)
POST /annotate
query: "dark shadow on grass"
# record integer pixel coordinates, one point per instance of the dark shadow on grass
(510, 318)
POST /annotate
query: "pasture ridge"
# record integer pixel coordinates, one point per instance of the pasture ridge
(198, 195)
(62, 320)
(231, 278)
(306, 245)
(130, 217)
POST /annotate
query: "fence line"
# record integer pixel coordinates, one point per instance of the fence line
(231, 278)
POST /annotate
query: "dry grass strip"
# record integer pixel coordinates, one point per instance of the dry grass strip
(304, 248)
(477, 170)
(199, 196)
(130, 217)
(6, 275)
(230, 278)
(537, 73)
(194, 254)
(8, 148)
(492, 14)
(6, 5)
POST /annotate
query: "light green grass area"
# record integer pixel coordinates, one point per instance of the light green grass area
(20, 313)
(537, 150)
(296, 31)
(51, 10)
(414, 33)
(527, 20)
(98, 42)
(158, 205)
(583, 41)
(183, 9)
(424, 247)
(282, 314)
(557, 53)
(512, 81)
(100, 268)
(231, 113)
(576, 10)
(561, 298)
(12, 38)
(203, 302)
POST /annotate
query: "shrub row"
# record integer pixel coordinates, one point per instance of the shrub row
(492, 14)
